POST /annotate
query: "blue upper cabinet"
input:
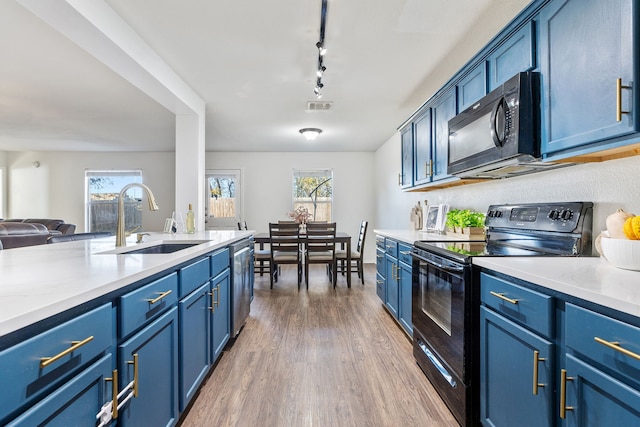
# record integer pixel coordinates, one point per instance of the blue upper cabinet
(422, 148)
(585, 47)
(473, 86)
(444, 110)
(514, 55)
(405, 180)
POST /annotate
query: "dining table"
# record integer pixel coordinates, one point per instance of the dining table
(344, 239)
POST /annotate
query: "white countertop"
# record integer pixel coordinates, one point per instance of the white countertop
(592, 279)
(37, 282)
(410, 236)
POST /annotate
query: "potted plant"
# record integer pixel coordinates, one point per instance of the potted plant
(465, 222)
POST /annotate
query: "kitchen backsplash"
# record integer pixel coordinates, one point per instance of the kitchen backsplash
(609, 185)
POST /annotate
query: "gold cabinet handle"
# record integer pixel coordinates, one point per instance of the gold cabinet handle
(619, 111)
(563, 394)
(134, 362)
(159, 297)
(46, 361)
(215, 296)
(405, 252)
(536, 360)
(430, 174)
(502, 297)
(379, 281)
(114, 390)
(615, 345)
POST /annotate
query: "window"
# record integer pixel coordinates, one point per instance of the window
(224, 198)
(102, 189)
(313, 189)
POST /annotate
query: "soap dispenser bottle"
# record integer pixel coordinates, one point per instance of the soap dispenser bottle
(191, 221)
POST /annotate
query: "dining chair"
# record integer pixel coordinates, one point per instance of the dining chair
(285, 249)
(357, 254)
(320, 248)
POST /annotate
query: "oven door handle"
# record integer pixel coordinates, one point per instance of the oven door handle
(450, 269)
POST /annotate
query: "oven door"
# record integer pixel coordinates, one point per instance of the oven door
(439, 309)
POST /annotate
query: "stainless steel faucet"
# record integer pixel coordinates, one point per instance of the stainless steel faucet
(153, 206)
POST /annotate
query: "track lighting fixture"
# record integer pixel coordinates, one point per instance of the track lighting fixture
(322, 50)
(310, 133)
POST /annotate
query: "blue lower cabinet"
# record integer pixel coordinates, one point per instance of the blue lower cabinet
(76, 403)
(391, 275)
(155, 348)
(380, 286)
(404, 312)
(221, 313)
(194, 343)
(508, 363)
(595, 399)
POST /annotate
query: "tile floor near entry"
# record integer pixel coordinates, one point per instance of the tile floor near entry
(321, 357)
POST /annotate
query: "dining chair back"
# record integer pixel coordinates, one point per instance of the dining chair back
(320, 248)
(357, 254)
(284, 240)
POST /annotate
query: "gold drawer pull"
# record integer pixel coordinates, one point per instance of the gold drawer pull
(619, 111)
(563, 394)
(159, 297)
(536, 360)
(502, 297)
(615, 345)
(46, 361)
(405, 252)
(114, 391)
(134, 362)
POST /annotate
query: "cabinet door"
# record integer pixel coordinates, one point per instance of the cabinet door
(194, 344)
(404, 273)
(422, 143)
(76, 403)
(443, 111)
(472, 87)
(507, 363)
(157, 348)
(585, 46)
(516, 54)
(381, 286)
(221, 321)
(406, 175)
(391, 281)
(598, 399)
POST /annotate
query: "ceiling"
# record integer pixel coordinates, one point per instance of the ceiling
(252, 62)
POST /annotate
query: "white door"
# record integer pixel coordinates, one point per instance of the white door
(224, 199)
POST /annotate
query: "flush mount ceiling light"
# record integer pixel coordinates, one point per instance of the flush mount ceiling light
(310, 133)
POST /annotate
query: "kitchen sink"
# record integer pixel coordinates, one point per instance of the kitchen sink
(163, 247)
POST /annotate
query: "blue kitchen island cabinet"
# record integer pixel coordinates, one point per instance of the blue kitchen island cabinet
(586, 48)
(220, 313)
(150, 360)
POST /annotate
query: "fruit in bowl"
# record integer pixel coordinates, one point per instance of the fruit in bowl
(622, 253)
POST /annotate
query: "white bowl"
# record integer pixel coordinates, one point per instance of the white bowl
(622, 253)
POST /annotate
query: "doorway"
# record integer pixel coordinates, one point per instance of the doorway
(223, 199)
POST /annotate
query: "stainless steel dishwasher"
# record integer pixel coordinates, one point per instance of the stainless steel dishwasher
(241, 284)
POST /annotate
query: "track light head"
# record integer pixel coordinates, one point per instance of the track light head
(321, 49)
(321, 71)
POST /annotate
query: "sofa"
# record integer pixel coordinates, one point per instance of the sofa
(51, 224)
(16, 233)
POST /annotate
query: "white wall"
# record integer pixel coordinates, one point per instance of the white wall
(268, 186)
(56, 188)
(609, 185)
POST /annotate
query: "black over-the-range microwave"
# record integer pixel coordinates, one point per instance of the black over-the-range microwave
(499, 135)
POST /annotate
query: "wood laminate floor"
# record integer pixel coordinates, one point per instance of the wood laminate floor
(321, 357)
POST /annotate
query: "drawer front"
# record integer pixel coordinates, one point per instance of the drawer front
(22, 375)
(605, 340)
(193, 276)
(380, 265)
(404, 253)
(391, 247)
(146, 303)
(380, 286)
(525, 306)
(380, 242)
(219, 262)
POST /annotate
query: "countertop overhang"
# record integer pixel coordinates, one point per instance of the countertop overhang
(37, 282)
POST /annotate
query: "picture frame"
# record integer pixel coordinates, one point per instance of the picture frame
(431, 219)
(168, 224)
